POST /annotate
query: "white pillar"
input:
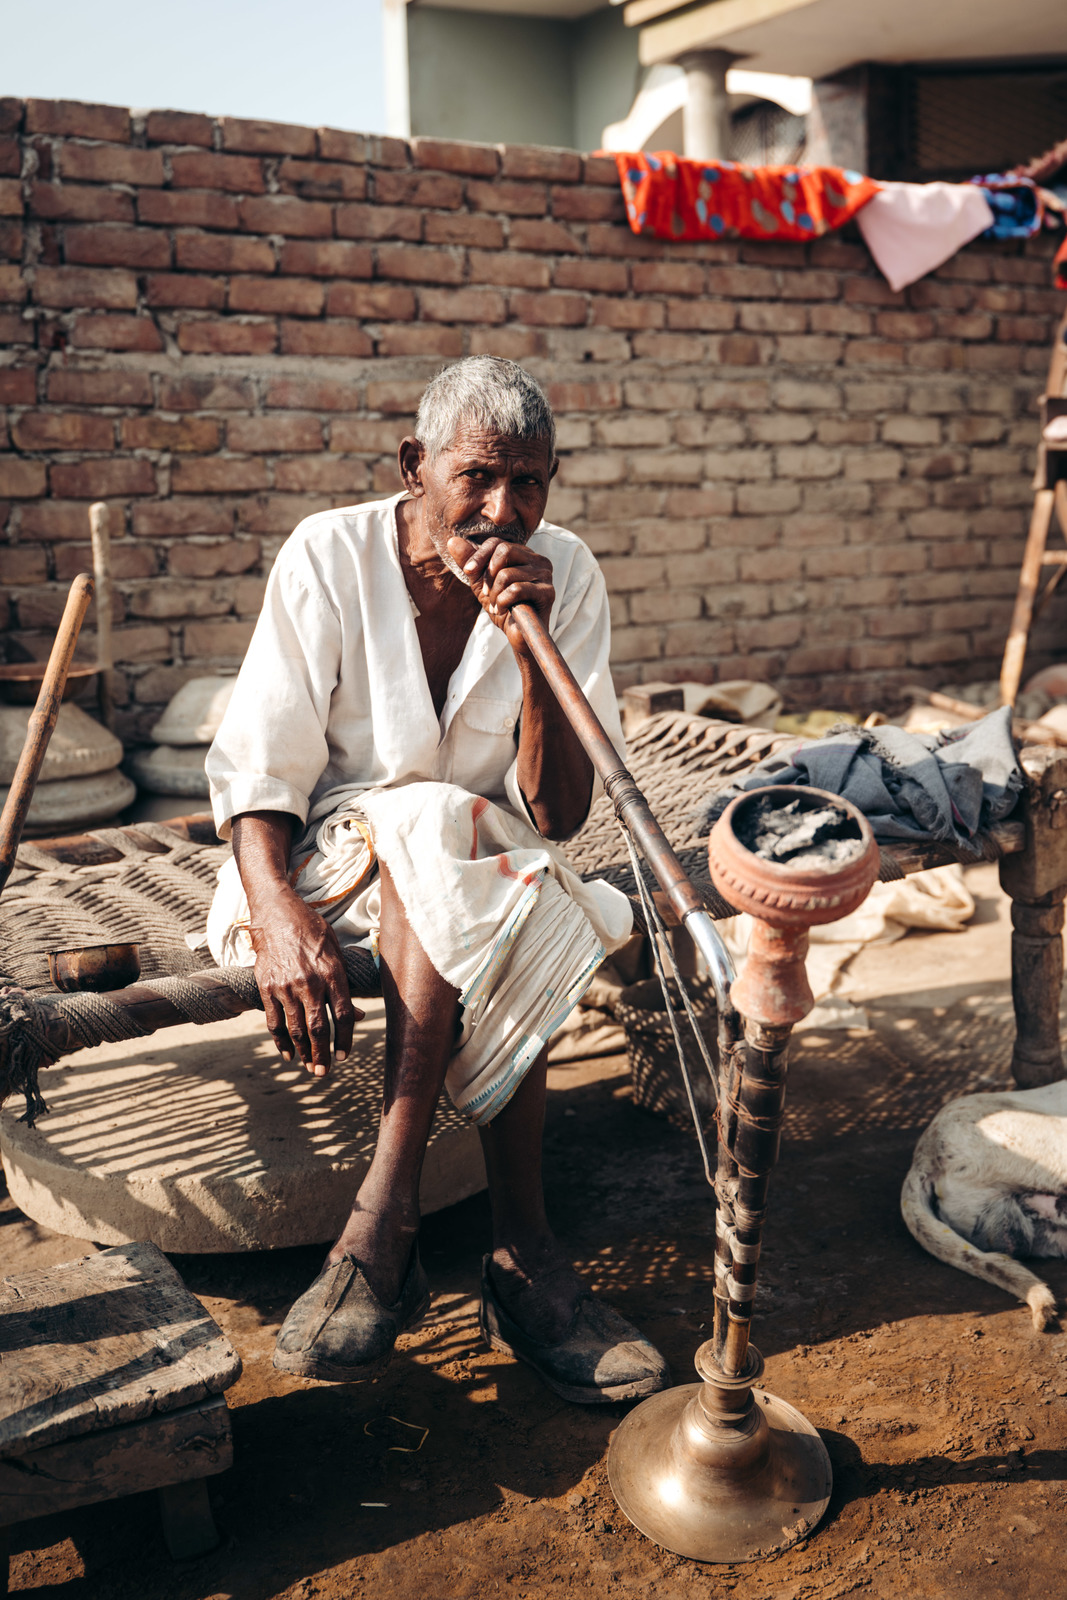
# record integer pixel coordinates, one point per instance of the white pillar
(397, 73)
(706, 115)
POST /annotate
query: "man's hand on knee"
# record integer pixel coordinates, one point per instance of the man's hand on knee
(299, 967)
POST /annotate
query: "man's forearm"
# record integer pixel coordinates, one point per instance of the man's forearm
(554, 772)
(262, 841)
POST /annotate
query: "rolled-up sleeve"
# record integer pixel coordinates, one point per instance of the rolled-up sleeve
(582, 631)
(271, 748)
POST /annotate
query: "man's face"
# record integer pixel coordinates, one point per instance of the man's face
(484, 484)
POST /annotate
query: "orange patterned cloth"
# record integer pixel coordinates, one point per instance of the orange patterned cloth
(672, 198)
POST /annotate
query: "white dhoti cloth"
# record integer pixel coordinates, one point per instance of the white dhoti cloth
(496, 908)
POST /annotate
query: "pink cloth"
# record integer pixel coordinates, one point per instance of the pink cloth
(911, 228)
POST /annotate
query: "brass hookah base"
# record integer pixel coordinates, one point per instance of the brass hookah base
(721, 1470)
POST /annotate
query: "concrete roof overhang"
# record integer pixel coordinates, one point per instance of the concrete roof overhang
(815, 38)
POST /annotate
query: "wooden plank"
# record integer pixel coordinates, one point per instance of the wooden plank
(100, 1342)
(1011, 670)
(151, 1454)
(83, 850)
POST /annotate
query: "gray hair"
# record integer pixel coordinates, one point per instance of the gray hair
(485, 392)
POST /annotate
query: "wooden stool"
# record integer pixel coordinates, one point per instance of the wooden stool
(111, 1382)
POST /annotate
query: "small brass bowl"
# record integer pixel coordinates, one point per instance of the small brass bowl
(97, 968)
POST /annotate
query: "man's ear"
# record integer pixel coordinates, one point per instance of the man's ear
(554, 468)
(410, 457)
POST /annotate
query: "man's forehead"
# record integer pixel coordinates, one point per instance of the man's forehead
(483, 446)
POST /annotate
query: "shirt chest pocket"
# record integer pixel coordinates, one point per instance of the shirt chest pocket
(490, 716)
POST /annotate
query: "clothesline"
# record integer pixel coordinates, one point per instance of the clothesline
(909, 228)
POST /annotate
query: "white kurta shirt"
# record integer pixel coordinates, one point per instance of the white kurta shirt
(333, 690)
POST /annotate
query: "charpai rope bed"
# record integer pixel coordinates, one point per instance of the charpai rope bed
(151, 885)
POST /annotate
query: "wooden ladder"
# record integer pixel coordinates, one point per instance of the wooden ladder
(1050, 496)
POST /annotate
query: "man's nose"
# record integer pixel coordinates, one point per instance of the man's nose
(499, 506)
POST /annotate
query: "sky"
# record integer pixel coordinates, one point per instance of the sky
(318, 62)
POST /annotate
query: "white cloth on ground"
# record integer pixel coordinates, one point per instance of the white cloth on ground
(496, 908)
(911, 228)
(333, 691)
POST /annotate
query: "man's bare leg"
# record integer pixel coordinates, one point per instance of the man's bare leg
(421, 1015)
(530, 1273)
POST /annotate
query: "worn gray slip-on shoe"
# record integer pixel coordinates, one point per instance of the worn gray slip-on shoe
(600, 1358)
(340, 1332)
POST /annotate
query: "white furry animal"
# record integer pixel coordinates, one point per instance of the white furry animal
(988, 1181)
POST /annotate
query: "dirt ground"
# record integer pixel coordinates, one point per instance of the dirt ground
(942, 1410)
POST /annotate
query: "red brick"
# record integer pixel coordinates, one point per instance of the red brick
(11, 241)
(266, 138)
(322, 474)
(56, 519)
(418, 189)
(325, 339)
(117, 246)
(360, 148)
(370, 300)
(99, 388)
(12, 111)
(62, 430)
(756, 317)
(545, 235)
(218, 475)
(228, 558)
(511, 343)
(296, 297)
(196, 435)
(1027, 330)
(141, 644)
(216, 336)
(187, 208)
(872, 291)
(78, 286)
(10, 197)
(394, 397)
(281, 213)
(272, 435)
(172, 519)
(101, 163)
(361, 434)
(127, 560)
(71, 202)
(539, 161)
(454, 155)
(486, 233)
(10, 158)
(185, 290)
(102, 479)
(378, 222)
(201, 169)
(629, 313)
(549, 310)
(588, 205)
(585, 396)
(311, 394)
(13, 286)
(909, 325)
(609, 277)
(77, 120)
(179, 127)
(841, 319)
(326, 258)
(226, 640)
(18, 386)
(809, 285)
(23, 565)
(322, 180)
(419, 266)
(513, 199)
(211, 393)
(462, 305)
(510, 270)
(706, 316)
(21, 480)
(15, 330)
(116, 333)
(408, 339)
(667, 277)
(601, 170)
(212, 252)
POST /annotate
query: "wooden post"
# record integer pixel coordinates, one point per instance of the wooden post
(1015, 650)
(100, 532)
(1036, 880)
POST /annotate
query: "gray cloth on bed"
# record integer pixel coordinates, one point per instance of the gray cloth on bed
(948, 786)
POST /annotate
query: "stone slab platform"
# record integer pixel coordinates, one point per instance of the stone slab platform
(202, 1139)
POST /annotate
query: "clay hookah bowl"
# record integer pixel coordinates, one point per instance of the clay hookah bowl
(785, 900)
(721, 1470)
(96, 968)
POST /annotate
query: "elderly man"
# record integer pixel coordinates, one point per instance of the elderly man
(393, 767)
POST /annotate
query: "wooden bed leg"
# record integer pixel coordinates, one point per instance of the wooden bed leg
(1036, 880)
(1036, 982)
(188, 1525)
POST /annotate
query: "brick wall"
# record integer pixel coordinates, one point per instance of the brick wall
(220, 326)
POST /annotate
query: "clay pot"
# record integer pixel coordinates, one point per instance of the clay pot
(776, 892)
